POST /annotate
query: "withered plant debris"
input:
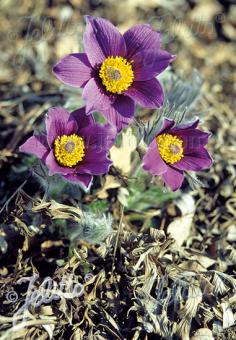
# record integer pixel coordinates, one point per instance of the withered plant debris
(163, 266)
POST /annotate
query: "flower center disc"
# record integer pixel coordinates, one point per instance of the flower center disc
(69, 150)
(116, 74)
(170, 148)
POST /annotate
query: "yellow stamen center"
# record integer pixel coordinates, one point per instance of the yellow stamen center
(170, 148)
(116, 74)
(69, 150)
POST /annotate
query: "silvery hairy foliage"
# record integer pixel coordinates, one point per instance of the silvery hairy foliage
(55, 185)
(179, 105)
(93, 228)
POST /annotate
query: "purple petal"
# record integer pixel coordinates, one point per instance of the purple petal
(81, 118)
(192, 138)
(98, 140)
(148, 64)
(166, 126)
(54, 167)
(77, 178)
(74, 70)
(152, 161)
(121, 113)
(95, 97)
(147, 93)
(186, 126)
(173, 178)
(102, 39)
(124, 106)
(99, 137)
(194, 160)
(139, 38)
(36, 145)
(59, 122)
(94, 163)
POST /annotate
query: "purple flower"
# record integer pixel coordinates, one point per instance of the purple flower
(116, 71)
(177, 149)
(74, 145)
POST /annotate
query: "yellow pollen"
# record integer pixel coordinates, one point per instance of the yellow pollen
(170, 148)
(69, 150)
(116, 74)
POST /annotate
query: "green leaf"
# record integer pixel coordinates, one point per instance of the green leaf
(143, 195)
(98, 206)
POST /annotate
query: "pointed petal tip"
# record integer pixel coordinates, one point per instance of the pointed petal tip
(173, 178)
(84, 180)
(102, 39)
(73, 69)
(166, 119)
(35, 145)
(88, 18)
(21, 148)
(54, 69)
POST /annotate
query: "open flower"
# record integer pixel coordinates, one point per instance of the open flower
(116, 71)
(74, 145)
(176, 149)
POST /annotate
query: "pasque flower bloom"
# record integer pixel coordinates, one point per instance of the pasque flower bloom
(116, 71)
(176, 149)
(74, 145)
